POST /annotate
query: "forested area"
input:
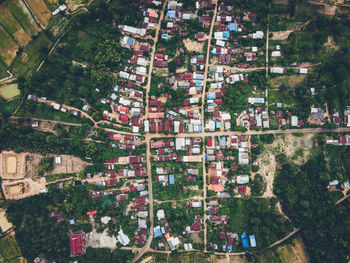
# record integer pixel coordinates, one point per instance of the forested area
(19, 139)
(302, 191)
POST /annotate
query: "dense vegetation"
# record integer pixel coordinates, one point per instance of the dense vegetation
(305, 199)
(25, 139)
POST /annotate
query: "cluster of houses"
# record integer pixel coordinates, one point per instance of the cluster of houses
(218, 169)
(163, 231)
(257, 117)
(169, 150)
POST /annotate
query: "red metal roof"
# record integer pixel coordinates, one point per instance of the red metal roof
(76, 244)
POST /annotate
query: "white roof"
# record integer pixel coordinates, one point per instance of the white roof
(275, 53)
(303, 71)
(243, 179)
(122, 238)
(278, 70)
(105, 219)
(160, 214)
(294, 121)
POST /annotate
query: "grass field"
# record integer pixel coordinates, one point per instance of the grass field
(23, 15)
(9, 91)
(9, 22)
(32, 57)
(3, 73)
(291, 252)
(8, 47)
(41, 11)
(8, 249)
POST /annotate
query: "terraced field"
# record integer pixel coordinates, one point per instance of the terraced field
(9, 22)
(40, 10)
(8, 47)
(20, 11)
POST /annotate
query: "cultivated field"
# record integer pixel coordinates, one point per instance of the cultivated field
(8, 47)
(33, 55)
(40, 10)
(9, 91)
(9, 22)
(23, 15)
(9, 251)
(4, 224)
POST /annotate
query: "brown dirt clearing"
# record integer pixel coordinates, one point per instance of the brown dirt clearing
(193, 45)
(281, 35)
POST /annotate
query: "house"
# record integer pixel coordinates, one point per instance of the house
(76, 245)
(243, 179)
(317, 114)
(122, 238)
(303, 70)
(278, 70)
(244, 240)
(252, 240)
(160, 214)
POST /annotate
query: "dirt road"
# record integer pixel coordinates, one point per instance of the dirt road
(203, 123)
(148, 146)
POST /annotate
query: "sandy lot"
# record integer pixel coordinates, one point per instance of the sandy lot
(23, 188)
(100, 240)
(4, 224)
(70, 164)
(193, 45)
(19, 172)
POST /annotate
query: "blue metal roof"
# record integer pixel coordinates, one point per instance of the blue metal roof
(171, 179)
(244, 240)
(157, 232)
(232, 27)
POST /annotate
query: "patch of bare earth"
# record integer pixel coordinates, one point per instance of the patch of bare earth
(281, 35)
(192, 45)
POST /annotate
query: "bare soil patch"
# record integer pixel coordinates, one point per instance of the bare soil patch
(100, 240)
(23, 188)
(70, 164)
(193, 45)
(281, 35)
(12, 165)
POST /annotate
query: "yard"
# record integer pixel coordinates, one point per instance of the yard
(9, 91)
(23, 15)
(9, 22)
